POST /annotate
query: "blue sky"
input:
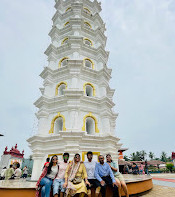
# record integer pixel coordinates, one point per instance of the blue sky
(141, 41)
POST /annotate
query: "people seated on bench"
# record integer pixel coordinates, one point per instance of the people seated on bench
(2, 176)
(60, 180)
(9, 172)
(17, 172)
(90, 168)
(118, 176)
(46, 179)
(135, 169)
(104, 175)
(74, 178)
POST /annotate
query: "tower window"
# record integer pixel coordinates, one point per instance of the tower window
(66, 24)
(58, 125)
(90, 125)
(87, 25)
(63, 62)
(87, 42)
(68, 9)
(88, 63)
(65, 41)
(61, 89)
(87, 10)
(89, 90)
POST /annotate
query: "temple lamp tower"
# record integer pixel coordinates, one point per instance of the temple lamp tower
(75, 110)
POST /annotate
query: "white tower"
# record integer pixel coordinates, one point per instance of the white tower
(75, 110)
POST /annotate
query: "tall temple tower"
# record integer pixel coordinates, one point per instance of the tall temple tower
(75, 110)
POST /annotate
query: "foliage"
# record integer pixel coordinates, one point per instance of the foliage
(138, 156)
(151, 155)
(169, 167)
(163, 156)
(126, 158)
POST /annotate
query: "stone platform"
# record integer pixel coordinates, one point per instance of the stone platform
(22, 188)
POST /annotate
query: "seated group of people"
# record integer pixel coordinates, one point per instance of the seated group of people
(13, 172)
(77, 177)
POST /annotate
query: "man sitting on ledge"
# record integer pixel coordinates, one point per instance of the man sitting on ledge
(104, 174)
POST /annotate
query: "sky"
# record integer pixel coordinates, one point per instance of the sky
(141, 41)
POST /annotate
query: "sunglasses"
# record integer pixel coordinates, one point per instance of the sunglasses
(77, 157)
(54, 159)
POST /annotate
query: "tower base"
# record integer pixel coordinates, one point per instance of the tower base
(71, 142)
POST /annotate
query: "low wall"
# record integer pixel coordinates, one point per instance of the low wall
(135, 185)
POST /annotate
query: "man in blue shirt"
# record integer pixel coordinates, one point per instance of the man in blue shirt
(104, 175)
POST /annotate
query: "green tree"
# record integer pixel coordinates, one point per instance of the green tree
(170, 166)
(142, 155)
(126, 158)
(163, 156)
(135, 156)
(151, 155)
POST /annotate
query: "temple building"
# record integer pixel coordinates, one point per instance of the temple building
(10, 157)
(75, 110)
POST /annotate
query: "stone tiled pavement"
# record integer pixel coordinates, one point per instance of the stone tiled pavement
(161, 191)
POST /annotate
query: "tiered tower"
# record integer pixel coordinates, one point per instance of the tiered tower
(76, 108)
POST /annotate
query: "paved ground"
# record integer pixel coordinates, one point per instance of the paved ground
(164, 186)
(160, 191)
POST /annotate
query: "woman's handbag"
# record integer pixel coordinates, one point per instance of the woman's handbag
(77, 180)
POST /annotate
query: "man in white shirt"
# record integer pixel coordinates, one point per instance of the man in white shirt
(18, 172)
(90, 168)
(59, 181)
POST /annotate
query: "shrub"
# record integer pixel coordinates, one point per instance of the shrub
(169, 167)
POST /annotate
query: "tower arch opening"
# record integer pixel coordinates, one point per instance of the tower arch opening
(61, 89)
(87, 24)
(65, 41)
(90, 125)
(67, 23)
(68, 9)
(89, 90)
(63, 62)
(87, 42)
(87, 10)
(88, 63)
(58, 126)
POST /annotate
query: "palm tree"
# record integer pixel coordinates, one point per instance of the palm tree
(163, 156)
(151, 155)
(143, 155)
